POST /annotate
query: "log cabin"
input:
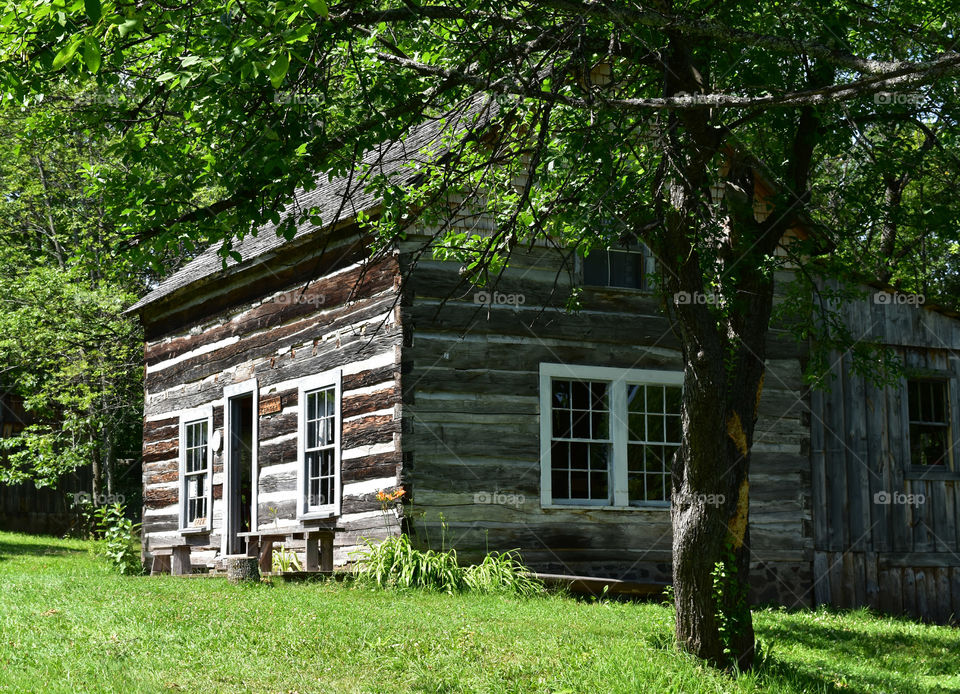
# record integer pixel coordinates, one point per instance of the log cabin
(285, 389)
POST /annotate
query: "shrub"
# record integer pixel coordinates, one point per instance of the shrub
(120, 538)
(395, 563)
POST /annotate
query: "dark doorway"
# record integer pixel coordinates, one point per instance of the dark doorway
(240, 470)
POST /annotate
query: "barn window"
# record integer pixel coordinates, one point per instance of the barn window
(929, 409)
(608, 436)
(628, 267)
(319, 478)
(195, 459)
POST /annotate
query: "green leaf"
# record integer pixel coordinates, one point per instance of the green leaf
(65, 54)
(94, 11)
(278, 71)
(91, 54)
(320, 7)
(130, 25)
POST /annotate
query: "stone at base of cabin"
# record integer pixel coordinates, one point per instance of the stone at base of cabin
(241, 568)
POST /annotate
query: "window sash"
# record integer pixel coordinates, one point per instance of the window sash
(319, 461)
(196, 489)
(620, 268)
(928, 422)
(627, 487)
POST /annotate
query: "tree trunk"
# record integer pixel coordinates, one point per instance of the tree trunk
(109, 462)
(710, 503)
(97, 484)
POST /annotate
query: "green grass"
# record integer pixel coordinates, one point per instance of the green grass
(68, 624)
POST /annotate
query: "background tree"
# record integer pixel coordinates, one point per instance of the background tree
(705, 131)
(65, 346)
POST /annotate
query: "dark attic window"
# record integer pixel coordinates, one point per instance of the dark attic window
(617, 267)
(929, 408)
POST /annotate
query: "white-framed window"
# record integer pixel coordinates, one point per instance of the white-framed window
(624, 267)
(318, 479)
(608, 436)
(196, 471)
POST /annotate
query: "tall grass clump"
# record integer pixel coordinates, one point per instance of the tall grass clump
(396, 563)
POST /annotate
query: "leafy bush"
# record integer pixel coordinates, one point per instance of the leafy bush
(120, 537)
(395, 563)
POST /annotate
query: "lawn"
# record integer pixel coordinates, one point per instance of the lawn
(68, 624)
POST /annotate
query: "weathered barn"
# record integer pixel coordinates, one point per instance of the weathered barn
(285, 390)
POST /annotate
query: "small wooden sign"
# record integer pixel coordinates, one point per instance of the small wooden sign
(271, 405)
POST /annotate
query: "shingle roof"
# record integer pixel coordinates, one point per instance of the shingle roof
(335, 201)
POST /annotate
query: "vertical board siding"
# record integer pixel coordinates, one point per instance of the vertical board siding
(896, 557)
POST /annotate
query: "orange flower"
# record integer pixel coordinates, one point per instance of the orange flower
(385, 496)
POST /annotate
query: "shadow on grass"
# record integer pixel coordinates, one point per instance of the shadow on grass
(888, 659)
(39, 546)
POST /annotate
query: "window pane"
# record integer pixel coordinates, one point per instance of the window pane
(560, 482)
(655, 430)
(913, 397)
(654, 398)
(581, 424)
(674, 398)
(635, 458)
(580, 395)
(601, 425)
(598, 396)
(637, 427)
(598, 485)
(938, 397)
(560, 455)
(579, 456)
(561, 423)
(674, 429)
(579, 484)
(635, 398)
(595, 269)
(331, 405)
(313, 434)
(626, 269)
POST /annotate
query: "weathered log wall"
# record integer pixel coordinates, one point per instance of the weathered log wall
(346, 318)
(471, 437)
(886, 534)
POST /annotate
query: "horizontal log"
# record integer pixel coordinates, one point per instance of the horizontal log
(156, 452)
(267, 344)
(284, 307)
(371, 467)
(347, 349)
(161, 429)
(354, 405)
